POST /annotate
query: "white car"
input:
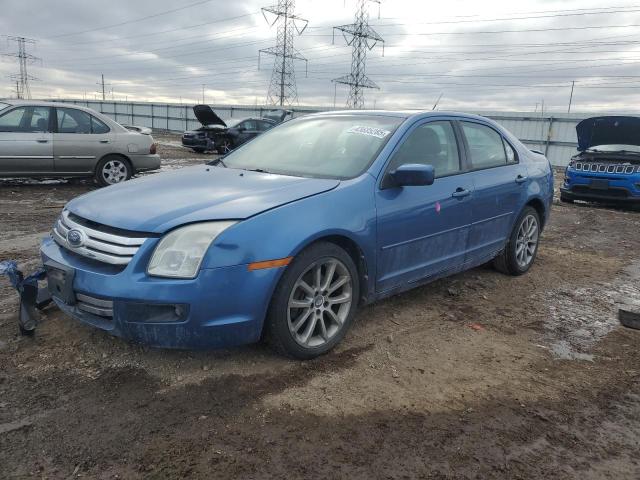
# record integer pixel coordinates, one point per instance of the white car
(44, 139)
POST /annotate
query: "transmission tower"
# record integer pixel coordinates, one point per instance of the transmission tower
(282, 89)
(361, 38)
(24, 59)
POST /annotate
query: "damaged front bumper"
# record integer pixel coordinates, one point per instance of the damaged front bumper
(221, 307)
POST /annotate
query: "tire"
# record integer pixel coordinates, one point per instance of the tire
(199, 150)
(113, 169)
(565, 199)
(225, 146)
(317, 325)
(512, 260)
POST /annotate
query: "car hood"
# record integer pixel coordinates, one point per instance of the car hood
(159, 202)
(611, 130)
(207, 117)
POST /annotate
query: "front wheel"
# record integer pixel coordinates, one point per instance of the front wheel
(314, 303)
(113, 169)
(522, 246)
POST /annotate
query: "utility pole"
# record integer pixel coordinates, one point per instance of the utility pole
(203, 93)
(22, 79)
(103, 85)
(362, 38)
(282, 88)
(573, 84)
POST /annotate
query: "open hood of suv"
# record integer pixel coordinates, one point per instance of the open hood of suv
(207, 117)
(613, 130)
(159, 202)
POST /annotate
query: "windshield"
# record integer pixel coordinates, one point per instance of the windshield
(3, 105)
(340, 146)
(615, 148)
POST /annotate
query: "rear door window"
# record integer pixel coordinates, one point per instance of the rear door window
(486, 146)
(71, 120)
(98, 126)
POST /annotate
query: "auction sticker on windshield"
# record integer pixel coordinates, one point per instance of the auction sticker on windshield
(370, 131)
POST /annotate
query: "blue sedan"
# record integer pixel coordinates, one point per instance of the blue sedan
(287, 236)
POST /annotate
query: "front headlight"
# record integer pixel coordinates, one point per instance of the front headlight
(180, 252)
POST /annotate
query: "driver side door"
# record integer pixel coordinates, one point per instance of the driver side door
(423, 231)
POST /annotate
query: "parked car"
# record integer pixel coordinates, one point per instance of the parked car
(608, 165)
(216, 134)
(292, 232)
(41, 139)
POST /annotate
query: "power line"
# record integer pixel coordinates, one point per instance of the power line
(22, 79)
(282, 88)
(363, 38)
(136, 20)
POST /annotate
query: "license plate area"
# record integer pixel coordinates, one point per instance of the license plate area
(599, 184)
(60, 282)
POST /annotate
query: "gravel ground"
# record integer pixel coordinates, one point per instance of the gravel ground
(475, 376)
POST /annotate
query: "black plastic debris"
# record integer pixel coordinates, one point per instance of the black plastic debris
(32, 297)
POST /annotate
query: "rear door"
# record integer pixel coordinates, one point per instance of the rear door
(500, 189)
(423, 230)
(79, 141)
(26, 146)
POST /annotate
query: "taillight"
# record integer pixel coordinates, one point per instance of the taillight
(153, 148)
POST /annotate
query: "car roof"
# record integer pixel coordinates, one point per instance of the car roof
(42, 103)
(406, 114)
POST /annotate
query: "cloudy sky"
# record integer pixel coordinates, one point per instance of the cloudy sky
(490, 55)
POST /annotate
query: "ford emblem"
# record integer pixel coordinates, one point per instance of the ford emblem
(76, 238)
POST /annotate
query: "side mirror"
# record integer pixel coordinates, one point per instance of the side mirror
(413, 175)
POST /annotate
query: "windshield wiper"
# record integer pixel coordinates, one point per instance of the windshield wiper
(218, 161)
(259, 170)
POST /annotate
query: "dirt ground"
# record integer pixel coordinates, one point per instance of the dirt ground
(479, 376)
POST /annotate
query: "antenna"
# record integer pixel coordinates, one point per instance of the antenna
(22, 89)
(361, 38)
(282, 89)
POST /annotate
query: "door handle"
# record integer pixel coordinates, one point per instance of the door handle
(461, 193)
(104, 141)
(42, 140)
(521, 179)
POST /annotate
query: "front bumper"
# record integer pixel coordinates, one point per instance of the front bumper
(605, 187)
(194, 142)
(221, 307)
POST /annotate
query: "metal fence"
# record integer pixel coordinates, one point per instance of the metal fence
(554, 135)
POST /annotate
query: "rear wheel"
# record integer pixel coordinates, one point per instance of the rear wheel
(113, 169)
(314, 303)
(522, 247)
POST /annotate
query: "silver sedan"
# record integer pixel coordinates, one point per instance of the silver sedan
(43, 139)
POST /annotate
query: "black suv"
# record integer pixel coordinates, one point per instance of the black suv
(216, 134)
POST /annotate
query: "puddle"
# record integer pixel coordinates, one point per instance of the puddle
(579, 318)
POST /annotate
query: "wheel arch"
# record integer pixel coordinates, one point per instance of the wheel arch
(538, 205)
(354, 250)
(115, 154)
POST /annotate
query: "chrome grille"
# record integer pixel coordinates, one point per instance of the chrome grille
(96, 244)
(596, 167)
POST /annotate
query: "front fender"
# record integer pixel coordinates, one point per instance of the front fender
(347, 211)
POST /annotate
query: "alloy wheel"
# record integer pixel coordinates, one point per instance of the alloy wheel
(114, 171)
(320, 302)
(527, 241)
